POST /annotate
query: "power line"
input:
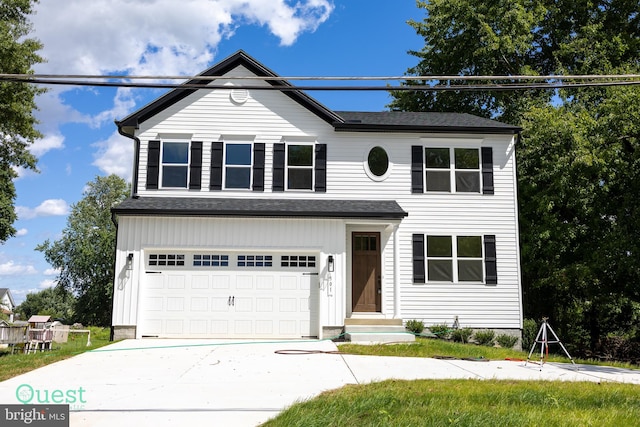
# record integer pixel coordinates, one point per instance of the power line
(329, 78)
(281, 83)
(289, 88)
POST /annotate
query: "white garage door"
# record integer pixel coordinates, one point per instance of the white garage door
(229, 295)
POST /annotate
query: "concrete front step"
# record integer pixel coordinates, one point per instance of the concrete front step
(386, 332)
(379, 338)
(372, 321)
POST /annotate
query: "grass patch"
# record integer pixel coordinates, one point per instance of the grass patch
(468, 403)
(429, 347)
(20, 363)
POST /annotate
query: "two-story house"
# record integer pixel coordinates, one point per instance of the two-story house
(257, 212)
(7, 305)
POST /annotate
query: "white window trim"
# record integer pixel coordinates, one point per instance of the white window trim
(452, 168)
(224, 165)
(312, 167)
(162, 164)
(454, 259)
(365, 163)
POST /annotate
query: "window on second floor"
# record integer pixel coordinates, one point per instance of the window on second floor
(237, 166)
(452, 170)
(299, 167)
(175, 164)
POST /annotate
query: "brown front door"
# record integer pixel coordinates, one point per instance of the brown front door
(365, 276)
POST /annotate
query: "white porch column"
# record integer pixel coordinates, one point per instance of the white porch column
(396, 273)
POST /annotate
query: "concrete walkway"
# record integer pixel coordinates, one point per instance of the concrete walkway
(216, 382)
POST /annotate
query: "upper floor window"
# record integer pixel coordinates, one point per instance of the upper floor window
(300, 167)
(238, 166)
(175, 164)
(453, 169)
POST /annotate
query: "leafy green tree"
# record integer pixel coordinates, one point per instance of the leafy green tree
(55, 302)
(84, 253)
(579, 156)
(17, 122)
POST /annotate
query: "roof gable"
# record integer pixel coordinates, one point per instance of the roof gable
(345, 121)
(240, 58)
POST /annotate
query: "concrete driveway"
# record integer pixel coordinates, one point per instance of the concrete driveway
(215, 382)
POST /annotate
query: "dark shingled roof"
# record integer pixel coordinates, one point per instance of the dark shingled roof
(346, 121)
(419, 121)
(316, 208)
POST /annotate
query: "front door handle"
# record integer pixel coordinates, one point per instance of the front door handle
(379, 284)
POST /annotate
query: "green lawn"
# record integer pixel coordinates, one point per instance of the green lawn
(469, 403)
(19, 363)
(466, 402)
(429, 347)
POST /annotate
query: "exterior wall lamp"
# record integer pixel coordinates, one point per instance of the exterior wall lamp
(130, 262)
(330, 264)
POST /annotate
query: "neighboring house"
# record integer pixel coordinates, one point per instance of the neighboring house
(260, 213)
(7, 305)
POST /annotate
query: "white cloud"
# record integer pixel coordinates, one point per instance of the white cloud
(49, 142)
(115, 156)
(10, 268)
(47, 283)
(50, 207)
(22, 232)
(123, 104)
(51, 272)
(158, 36)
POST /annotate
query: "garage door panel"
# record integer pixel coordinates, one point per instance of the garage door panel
(221, 281)
(264, 305)
(199, 304)
(176, 281)
(264, 283)
(200, 281)
(175, 304)
(225, 301)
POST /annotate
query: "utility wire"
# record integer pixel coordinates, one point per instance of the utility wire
(288, 88)
(330, 78)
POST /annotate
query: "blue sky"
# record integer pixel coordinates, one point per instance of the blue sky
(169, 37)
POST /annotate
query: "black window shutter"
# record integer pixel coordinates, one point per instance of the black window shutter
(278, 166)
(418, 258)
(321, 168)
(417, 169)
(487, 170)
(490, 263)
(258, 166)
(195, 168)
(153, 165)
(215, 183)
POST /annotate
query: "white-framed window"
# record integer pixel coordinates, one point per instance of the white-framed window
(300, 166)
(294, 261)
(255, 261)
(238, 161)
(453, 169)
(454, 259)
(175, 260)
(210, 260)
(174, 170)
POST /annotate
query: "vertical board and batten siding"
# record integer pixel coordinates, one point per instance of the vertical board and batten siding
(137, 234)
(271, 117)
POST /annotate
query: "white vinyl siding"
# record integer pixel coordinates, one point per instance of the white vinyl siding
(275, 118)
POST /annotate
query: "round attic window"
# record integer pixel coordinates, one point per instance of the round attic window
(378, 162)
